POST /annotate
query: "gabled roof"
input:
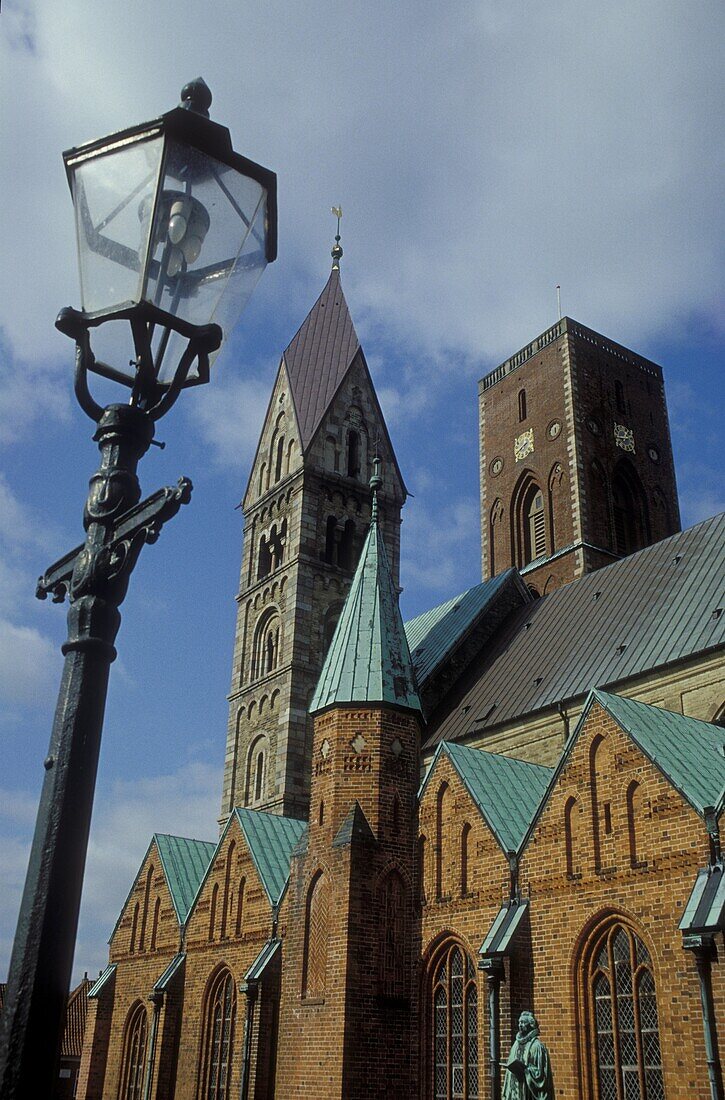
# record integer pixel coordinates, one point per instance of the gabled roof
(319, 356)
(75, 1020)
(507, 791)
(270, 839)
(688, 752)
(368, 660)
(185, 863)
(646, 611)
(434, 634)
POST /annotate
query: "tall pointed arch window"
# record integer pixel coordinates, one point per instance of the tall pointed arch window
(453, 1072)
(218, 1038)
(393, 925)
(353, 454)
(522, 405)
(629, 511)
(134, 1054)
(317, 924)
(626, 1058)
(536, 527)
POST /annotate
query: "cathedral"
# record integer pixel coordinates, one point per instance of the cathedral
(510, 803)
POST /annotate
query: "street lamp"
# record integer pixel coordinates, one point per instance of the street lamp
(173, 230)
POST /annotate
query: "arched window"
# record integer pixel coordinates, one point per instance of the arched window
(619, 396)
(598, 771)
(441, 806)
(622, 1012)
(145, 910)
(465, 835)
(290, 455)
(453, 1017)
(529, 521)
(262, 478)
(264, 558)
(572, 814)
(497, 552)
(330, 555)
(266, 644)
(155, 925)
(535, 536)
(353, 454)
(279, 459)
(332, 457)
(317, 923)
(629, 511)
(423, 868)
(218, 1038)
(346, 550)
(331, 617)
(226, 900)
(213, 911)
(635, 805)
(134, 929)
(321, 813)
(133, 1061)
(256, 769)
(240, 907)
(393, 937)
(522, 404)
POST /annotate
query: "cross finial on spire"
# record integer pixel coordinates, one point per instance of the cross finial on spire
(376, 483)
(337, 247)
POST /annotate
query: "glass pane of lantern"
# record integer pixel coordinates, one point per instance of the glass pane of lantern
(113, 194)
(208, 247)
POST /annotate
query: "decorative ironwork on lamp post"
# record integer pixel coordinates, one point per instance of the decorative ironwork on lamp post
(174, 229)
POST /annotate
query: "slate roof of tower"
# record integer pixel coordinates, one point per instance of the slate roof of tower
(271, 839)
(688, 751)
(185, 863)
(647, 611)
(507, 791)
(319, 355)
(368, 660)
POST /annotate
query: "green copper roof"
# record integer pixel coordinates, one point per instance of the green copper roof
(185, 863)
(368, 660)
(689, 752)
(433, 634)
(271, 839)
(507, 791)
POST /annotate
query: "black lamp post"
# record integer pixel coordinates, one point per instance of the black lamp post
(174, 229)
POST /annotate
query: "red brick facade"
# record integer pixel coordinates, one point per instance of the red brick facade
(349, 995)
(583, 422)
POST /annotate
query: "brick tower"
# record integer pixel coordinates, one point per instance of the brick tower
(306, 509)
(576, 458)
(349, 1006)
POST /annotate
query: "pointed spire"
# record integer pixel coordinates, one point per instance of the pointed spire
(337, 247)
(319, 356)
(368, 660)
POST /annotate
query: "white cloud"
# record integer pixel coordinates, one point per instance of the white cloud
(229, 417)
(483, 153)
(437, 544)
(29, 666)
(126, 815)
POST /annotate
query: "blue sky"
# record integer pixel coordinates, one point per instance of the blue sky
(482, 152)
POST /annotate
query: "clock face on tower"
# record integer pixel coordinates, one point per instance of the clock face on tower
(524, 445)
(624, 437)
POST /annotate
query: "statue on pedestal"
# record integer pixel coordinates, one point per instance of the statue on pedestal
(528, 1070)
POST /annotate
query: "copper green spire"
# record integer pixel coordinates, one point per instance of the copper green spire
(368, 660)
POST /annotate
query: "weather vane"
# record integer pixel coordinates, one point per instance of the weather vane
(337, 247)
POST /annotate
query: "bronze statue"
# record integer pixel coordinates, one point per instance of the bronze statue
(528, 1070)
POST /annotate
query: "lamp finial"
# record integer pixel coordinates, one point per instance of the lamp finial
(196, 96)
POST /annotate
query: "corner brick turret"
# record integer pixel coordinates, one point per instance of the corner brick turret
(352, 937)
